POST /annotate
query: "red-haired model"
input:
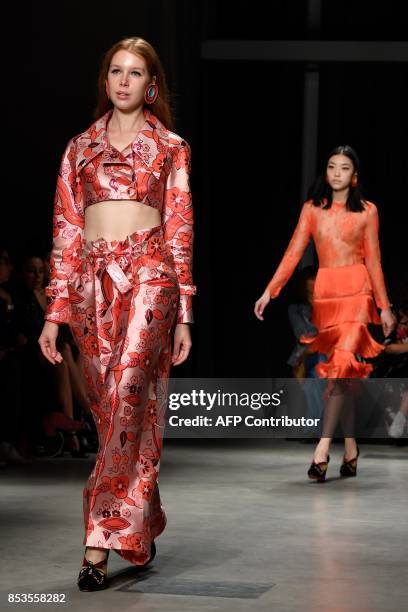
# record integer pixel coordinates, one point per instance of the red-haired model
(348, 289)
(121, 276)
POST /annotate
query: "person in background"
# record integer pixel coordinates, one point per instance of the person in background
(393, 364)
(11, 341)
(45, 387)
(348, 292)
(303, 362)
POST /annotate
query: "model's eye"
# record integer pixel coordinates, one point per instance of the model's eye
(114, 70)
(136, 72)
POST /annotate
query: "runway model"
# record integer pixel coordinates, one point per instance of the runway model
(348, 289)
(121, 277)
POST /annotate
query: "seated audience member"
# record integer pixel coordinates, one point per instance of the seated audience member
(48, 385)
(393, 364)
(11, 340)
(304, 363)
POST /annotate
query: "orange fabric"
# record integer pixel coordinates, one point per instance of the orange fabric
(343, 364)
(342, 238)
(348, 280)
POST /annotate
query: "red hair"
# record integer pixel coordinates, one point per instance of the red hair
(161, 107)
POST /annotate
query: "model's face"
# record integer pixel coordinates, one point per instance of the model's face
(33, 273)
(5, 267)
(339, 172)
(127, 80)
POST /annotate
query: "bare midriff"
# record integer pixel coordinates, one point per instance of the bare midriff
(117, 219)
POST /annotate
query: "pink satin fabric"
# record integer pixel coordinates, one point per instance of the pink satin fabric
(153, 170)
(124, 297)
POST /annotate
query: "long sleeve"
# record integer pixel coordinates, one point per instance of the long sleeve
(372, 258)
(293, 253)
(178, 226)
(68, 224)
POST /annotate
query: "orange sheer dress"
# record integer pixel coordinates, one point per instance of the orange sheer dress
(349, 284)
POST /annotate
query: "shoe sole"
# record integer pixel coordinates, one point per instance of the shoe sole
(89, 590)
(317, 479)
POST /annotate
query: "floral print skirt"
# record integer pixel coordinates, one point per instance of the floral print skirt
(124, 298)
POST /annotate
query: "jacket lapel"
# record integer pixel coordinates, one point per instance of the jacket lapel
(150, 144)
(91, 142)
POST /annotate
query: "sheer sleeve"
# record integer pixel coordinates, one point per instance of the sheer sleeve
(68, 224)
(294, 251)
(178, 226)
(372, 258)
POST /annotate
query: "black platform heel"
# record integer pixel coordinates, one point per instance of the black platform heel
(349, 468)
(91, 576)
(317, 471)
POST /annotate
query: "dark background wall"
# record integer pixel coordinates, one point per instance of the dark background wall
(244, 120)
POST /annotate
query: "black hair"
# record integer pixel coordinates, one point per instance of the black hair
(321, 193)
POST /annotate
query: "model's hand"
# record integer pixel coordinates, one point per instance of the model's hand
(47, 342)
(261, 304)
(182, 343)
(388, 321)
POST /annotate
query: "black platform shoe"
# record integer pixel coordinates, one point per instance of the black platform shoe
(349, 468)
(317, 471)
(92, 577)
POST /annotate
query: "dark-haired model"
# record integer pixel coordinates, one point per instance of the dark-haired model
(348, 289)
(121, 277)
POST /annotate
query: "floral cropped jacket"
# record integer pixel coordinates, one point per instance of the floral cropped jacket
(153, 169)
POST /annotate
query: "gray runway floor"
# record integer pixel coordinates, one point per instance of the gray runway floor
(246, 531)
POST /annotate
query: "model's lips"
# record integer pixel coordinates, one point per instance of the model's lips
(122, 94)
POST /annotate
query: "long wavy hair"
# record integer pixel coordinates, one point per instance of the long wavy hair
(161, 107)
(321, 193)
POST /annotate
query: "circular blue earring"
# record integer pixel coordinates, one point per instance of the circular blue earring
(151, 93)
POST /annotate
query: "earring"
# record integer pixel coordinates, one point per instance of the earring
(151, 93)
(354, 180)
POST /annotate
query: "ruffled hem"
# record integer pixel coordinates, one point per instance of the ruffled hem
(353, 337)
(343, 305)
(338, 310)
(343, 364)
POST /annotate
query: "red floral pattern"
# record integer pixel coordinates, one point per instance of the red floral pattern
(123, 298)
(153, 169)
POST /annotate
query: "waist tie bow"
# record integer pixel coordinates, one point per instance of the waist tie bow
(118, 276)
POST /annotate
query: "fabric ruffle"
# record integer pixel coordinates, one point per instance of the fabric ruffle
(343, 305)
(334, 311)
(343, 364)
